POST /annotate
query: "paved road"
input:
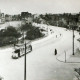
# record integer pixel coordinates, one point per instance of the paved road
(41, 62)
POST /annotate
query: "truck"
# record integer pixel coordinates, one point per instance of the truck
(19, 50)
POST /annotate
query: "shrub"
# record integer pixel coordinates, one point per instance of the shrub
(10, 32)
(26, 27)
(7, 40)
(9, 36)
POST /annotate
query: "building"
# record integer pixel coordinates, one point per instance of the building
(8, 18)
(78, 23)
(25, 15)
(2, 18)
(16, 17)
(27, 20)
(36, 16)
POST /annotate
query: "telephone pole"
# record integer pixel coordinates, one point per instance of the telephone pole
(73, 40)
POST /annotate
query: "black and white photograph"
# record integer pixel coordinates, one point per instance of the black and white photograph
(39, 39)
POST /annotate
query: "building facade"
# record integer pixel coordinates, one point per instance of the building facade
(2, 18)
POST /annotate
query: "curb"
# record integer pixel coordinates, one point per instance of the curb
(65, 61)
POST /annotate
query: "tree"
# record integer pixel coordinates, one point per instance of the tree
(9, 36)
(26, 27)
(33, 34)
(11, 31)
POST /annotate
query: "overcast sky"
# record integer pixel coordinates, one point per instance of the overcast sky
(40, 6)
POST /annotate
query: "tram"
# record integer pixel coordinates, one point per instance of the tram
(19, 50)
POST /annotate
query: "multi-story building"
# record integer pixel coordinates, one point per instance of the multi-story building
(26, 17)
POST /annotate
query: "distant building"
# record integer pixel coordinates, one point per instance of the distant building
(25, 15)
(36, 16)
(16, 17)
(2, 18)
(8, 18)
(78, 23)
(23, 22)
(27, 20)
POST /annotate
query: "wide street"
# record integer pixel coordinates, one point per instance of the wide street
(41, 62)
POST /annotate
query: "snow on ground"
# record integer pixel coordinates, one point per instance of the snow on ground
(41, 62)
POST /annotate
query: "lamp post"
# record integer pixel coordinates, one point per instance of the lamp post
(74, 27)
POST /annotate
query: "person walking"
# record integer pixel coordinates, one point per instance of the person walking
(56, 36)
(55, 51)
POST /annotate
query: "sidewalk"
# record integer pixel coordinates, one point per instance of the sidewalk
(68, 57)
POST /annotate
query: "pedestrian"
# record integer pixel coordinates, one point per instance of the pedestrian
(55, 51)
(14, 45)
(18, 50)
(56, 36)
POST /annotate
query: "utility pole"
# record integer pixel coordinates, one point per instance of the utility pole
(25, 64)
(73, 40)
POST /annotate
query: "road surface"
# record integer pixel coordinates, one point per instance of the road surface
(41, 62)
